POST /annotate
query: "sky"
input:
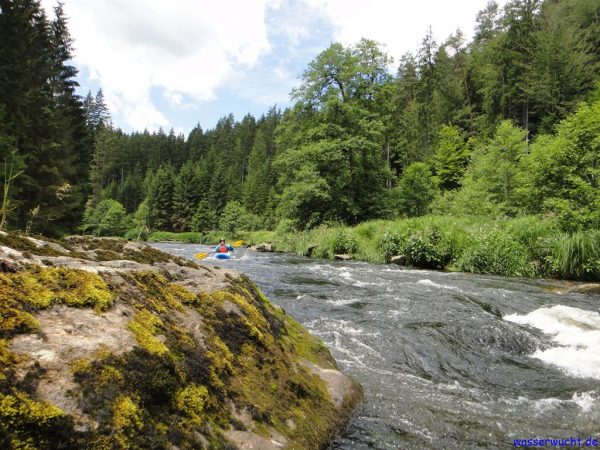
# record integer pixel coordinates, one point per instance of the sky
(181, 63)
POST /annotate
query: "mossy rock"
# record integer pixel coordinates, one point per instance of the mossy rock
(95, 357)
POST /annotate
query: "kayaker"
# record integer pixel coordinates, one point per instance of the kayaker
(222, 247)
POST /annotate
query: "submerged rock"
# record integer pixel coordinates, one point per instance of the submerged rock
(265, 248)
(343, 257)
(585, 288)
(109, 344)
(398, 259)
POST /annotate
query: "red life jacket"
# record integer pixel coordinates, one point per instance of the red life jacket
(223, 249)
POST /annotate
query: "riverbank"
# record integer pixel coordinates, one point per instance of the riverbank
(106, 343)
(528, 246)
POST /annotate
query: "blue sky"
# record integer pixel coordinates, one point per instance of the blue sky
(176, 64)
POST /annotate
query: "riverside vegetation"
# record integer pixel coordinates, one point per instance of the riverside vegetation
(485, 136)
(525, 246)
(142, 349)
(503, 126)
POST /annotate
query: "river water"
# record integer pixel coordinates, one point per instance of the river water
(446, 360)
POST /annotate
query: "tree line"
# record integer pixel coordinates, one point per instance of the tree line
(504, 125)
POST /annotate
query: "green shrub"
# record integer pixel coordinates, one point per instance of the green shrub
(234, 217)
(107, 218)
(427, 249)
(137, 234)
(342, 241)
(187, 237)
(391, 244)
(495, 252)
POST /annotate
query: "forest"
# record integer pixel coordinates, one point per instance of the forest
(505, 126)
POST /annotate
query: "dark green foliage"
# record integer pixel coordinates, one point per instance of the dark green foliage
(491, 183)
(416, 190)
(160, 199)
(343, 241)
(575, 256)
(450, 157)
(42, 118)
(204, 218)
(391, 244)
(428, 247)
(185, 197)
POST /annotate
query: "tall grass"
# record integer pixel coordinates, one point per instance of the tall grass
(525, 246)
(576, 256)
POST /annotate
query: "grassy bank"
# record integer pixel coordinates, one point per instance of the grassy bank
(527, 246)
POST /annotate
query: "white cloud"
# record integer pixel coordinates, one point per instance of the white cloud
(183, 48)
(156, 58)
(399, 25)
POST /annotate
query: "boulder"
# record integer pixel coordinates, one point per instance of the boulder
(343, 257)
(398, 259)
(116, 345)
(266, 247)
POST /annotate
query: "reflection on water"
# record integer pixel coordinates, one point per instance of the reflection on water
(446, 360)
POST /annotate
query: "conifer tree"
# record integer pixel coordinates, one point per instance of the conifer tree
(160, 199)
(186, 196)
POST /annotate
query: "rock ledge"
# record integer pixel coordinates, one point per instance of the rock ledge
(111, 344)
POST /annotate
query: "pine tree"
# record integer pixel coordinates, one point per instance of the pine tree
(186, 196)
(160, 199)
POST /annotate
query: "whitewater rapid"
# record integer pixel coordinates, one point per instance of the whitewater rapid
(446, 360)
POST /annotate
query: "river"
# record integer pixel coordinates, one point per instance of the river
(446, 360)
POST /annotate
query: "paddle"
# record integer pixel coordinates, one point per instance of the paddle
(204, 255)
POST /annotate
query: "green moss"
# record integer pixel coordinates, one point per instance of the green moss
(24, 244)
(159, 293)
(8, 360)
(109, 249)
(81, 288)
(145, 325)
(27, 287)
(191, 401)
(306, 346)
(29, 424)
(34, 288)
(107, 255)
(126, 422)
(15, 290)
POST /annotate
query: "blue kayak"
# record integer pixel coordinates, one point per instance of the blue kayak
(226, 255)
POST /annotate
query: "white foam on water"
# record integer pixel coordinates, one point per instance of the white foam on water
(369, 349)
(343, 302)
(428, 282)
(575, 331)
(346, 275)
(586, 400)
